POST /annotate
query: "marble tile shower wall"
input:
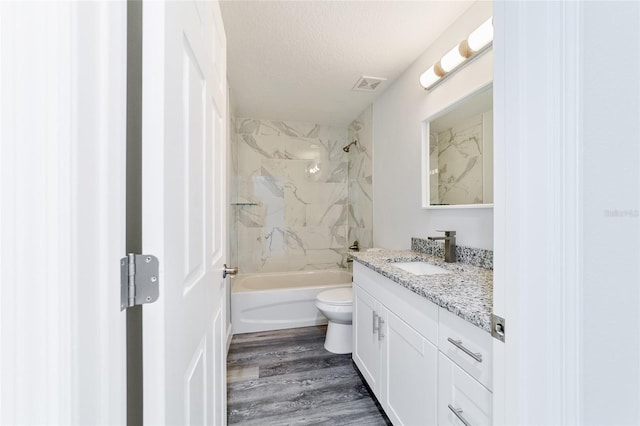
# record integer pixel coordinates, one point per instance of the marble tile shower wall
(360, 180)
(232, 213)
(290, 205)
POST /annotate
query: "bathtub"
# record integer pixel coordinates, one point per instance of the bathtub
(273, 301)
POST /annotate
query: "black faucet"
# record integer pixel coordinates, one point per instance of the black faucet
(355, 246)
(449, 245)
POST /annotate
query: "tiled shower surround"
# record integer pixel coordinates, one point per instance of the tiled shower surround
(289, 196)
(360, 180)
(297, 199)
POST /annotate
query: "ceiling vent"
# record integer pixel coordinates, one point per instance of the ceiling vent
(368, 84)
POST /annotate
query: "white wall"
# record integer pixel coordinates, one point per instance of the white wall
(397, 132)
(610, 213)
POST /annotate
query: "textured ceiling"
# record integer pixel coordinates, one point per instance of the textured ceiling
(298, 60)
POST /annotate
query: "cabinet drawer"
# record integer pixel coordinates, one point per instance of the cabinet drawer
(458, 391)
(467, 345)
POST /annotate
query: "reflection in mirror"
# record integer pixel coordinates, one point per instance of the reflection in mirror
(459, 169)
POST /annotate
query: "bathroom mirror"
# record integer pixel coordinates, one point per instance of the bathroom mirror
(457, 154)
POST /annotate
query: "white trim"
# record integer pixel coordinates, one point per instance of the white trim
(499, 210)
(536, 212)
(451, 105)
(62, 157)
(568, 216)
(153, 141)
(229, 336)
(460, 206)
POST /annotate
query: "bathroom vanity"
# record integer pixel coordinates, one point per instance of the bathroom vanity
(423, 342)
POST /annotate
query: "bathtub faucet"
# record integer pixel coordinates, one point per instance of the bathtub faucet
(355, 246)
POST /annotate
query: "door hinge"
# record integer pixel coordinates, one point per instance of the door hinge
(138, 280)
(498, 327)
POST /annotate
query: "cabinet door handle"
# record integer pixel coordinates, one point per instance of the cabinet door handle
(375, 323)
(458, 344)
(380, 322)
(458, 413)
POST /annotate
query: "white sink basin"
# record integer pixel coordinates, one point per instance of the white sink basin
(420, 268)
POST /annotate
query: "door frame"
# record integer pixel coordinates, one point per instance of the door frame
(537, 212)
(62, 201)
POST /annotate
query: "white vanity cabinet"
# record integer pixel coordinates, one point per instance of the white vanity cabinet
(462, 400)
(366, 343)
(465, 369)
(395, 347)
(466, 345)
(409, 363)
(425, 365)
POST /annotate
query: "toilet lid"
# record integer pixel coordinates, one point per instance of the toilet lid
(338, 296)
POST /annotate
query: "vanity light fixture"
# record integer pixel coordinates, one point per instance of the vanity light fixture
(478, 42)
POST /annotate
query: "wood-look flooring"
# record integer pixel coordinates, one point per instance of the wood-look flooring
(286, 377)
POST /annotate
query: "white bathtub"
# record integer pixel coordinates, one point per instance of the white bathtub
(273, 301)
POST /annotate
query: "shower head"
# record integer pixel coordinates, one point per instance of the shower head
(346, 148)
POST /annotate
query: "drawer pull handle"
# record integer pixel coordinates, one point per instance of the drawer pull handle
(458, 413)
(380, 322)
(458, 344)
(375, 323)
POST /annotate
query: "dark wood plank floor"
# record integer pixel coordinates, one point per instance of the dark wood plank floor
(286, 377)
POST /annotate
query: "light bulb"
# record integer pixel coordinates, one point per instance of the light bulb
(452, 59)
(429, 77)
(481, 36)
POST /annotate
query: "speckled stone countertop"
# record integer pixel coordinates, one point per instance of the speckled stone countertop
(467, 291)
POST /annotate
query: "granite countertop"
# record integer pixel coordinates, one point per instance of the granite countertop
(467, 292)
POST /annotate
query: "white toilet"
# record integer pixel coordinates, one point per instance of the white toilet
(337, 306)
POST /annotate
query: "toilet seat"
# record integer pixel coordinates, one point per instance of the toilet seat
(337, 297)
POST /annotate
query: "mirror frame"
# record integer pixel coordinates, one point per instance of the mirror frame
(425, 175)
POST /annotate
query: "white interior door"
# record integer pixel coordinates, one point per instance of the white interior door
(184, 184)
(62, 212)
